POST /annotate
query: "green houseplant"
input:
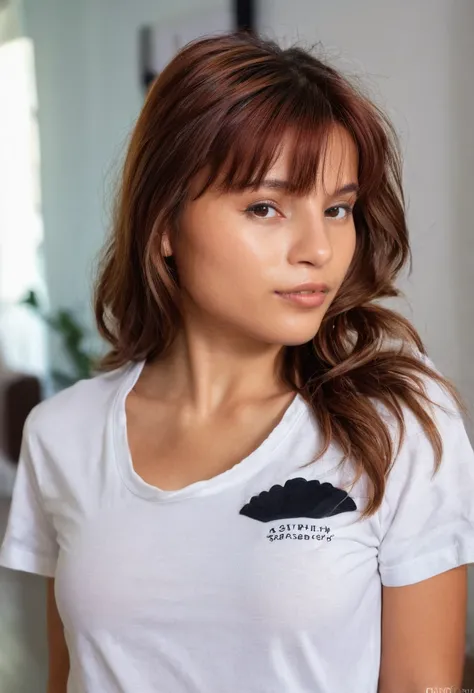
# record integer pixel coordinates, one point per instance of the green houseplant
(73, 338)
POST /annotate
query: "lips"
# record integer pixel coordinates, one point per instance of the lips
(306, 289)
(305, 298)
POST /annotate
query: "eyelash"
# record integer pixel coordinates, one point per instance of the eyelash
(252, 208)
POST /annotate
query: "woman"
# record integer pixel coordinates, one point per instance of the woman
(269, 456)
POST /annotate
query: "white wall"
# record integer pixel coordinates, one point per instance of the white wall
(89, 94)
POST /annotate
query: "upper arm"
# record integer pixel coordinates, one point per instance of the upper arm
(30, 544)
(57, 647)
(30, 541)
(423, 634)
(426, 526)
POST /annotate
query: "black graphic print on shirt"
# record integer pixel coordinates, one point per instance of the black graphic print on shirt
(300, 532)
(298, 498)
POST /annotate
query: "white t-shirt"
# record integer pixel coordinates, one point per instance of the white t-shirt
(181, 592)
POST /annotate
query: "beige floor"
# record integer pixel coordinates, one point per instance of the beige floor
(22, 628)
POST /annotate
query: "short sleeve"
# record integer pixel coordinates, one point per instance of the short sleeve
(30, 540)
(427, 517)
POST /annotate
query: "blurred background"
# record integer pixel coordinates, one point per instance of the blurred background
(73, 76)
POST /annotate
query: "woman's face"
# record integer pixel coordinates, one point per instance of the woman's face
(240, 255)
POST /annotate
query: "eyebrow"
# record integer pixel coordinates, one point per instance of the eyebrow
(277, 184)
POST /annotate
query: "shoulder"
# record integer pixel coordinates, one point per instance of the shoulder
(77, 409)
(443, 439)
(440, 405)
(438, 402)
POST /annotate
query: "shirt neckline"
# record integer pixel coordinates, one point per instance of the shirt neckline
(241, 471)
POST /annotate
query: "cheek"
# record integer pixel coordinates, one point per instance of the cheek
(212, 260)
(219, 266)
(221, 251)
(344, 249)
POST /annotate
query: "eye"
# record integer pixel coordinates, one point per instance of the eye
(262, 210)
(339, 212)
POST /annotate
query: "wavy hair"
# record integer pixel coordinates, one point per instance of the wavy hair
(224, 104)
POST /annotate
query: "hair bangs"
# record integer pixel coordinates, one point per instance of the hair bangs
(376, 144)
(248, 145)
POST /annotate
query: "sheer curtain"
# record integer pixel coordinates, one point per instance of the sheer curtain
(22, 336)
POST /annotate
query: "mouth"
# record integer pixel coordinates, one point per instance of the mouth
(307, 295)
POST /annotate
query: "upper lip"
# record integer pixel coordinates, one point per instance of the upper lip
(308, 286)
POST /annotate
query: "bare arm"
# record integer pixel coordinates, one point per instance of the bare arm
(423, 634)
(58, 652)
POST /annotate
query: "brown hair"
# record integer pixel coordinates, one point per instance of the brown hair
(224, 104)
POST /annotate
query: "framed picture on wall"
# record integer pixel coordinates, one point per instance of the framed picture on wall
(159, 43)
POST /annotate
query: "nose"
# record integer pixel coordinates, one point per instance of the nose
(311, 243)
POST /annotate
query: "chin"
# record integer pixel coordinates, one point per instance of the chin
(298, 341)
(295, 333)
(292, 336)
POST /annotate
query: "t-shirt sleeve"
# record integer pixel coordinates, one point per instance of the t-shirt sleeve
(427, 517)
(30, 541)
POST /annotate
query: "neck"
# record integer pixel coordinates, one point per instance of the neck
(207, 369)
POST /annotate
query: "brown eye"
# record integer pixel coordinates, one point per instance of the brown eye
(339, 212)
(262, 211)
